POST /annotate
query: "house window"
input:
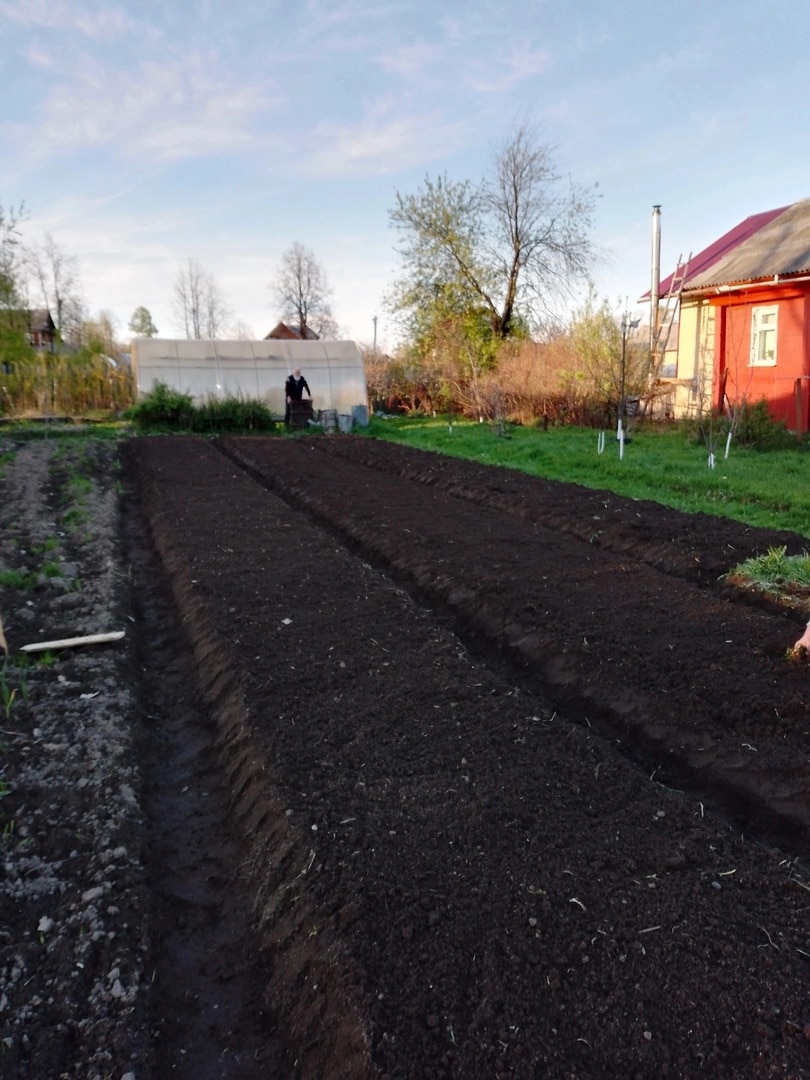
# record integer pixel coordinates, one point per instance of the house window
(763, 336)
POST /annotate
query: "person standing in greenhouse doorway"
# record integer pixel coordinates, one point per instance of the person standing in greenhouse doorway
(294, 390)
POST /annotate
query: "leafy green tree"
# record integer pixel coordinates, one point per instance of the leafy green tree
(600, 365)
(9, 255)
(99, 335)
(595, 348)
(506, 247)
(141, 323)
(13, 316)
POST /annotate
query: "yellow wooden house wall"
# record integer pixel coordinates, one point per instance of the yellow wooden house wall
(689, 391)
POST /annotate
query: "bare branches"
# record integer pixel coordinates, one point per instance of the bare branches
(506, 246)
(198, 303)
(57, 276)
(302, 292)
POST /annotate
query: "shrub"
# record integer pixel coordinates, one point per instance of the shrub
(163, 407)
(233, 414)
(756, 429)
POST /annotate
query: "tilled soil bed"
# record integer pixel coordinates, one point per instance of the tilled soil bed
(419, 769)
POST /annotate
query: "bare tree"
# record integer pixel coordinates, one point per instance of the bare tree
(242, 331)
(57, 276)
(198, 304)
(186, 301)
(327, 329)
(540, 223)
(302, 292)
(217, 311)
(502, 248)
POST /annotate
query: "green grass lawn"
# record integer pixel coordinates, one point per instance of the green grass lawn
(771, 489)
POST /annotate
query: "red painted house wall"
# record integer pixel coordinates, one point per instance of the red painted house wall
(776, 384)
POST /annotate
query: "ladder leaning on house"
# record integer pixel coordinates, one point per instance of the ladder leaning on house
(667, 312)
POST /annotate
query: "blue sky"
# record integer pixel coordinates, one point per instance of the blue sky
(142, 134)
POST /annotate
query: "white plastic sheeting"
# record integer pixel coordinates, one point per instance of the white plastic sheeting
(253, 369)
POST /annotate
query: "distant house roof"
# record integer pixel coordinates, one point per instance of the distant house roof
(775, 243)
(40, 321)
(282, 332)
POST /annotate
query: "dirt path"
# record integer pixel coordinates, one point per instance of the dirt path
(207, 1018)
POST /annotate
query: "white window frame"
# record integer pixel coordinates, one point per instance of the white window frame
(764, 324)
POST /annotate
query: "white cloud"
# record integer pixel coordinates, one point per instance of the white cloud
(178, 108)
(326, 14)
(99, 23)
(502, 73)
(379, 145)
(409, 60)
(39, 58)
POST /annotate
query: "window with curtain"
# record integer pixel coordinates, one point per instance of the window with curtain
(763, 336)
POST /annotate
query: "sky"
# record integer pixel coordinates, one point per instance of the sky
(141, 134)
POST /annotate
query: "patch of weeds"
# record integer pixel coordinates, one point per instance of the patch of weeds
(785, 577)
(22, 685)
(8, 693)
(28, 580)
(8, 827)
(51, 544)
(18, 579)
(75, 517)
(79, 485)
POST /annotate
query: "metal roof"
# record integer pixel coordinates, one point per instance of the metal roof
(712, 255)
(778, 246)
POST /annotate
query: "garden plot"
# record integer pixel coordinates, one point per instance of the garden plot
(460, 876)
(426, 784)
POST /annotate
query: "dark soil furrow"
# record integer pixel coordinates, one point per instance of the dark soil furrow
(458, 881)
(232, 996)
(696, 547)
(208, 1015)
(695, 684)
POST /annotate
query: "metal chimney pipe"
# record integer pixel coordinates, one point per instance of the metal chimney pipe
(655, 287)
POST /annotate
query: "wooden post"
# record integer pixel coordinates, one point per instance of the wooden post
(797, 393)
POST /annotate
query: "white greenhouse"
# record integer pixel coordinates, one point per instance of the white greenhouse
(254, 369)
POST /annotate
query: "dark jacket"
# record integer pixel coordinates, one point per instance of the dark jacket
(294, 388)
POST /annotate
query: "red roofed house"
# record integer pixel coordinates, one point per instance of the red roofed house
(743, 328)
(282, 332)
(40, 328)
